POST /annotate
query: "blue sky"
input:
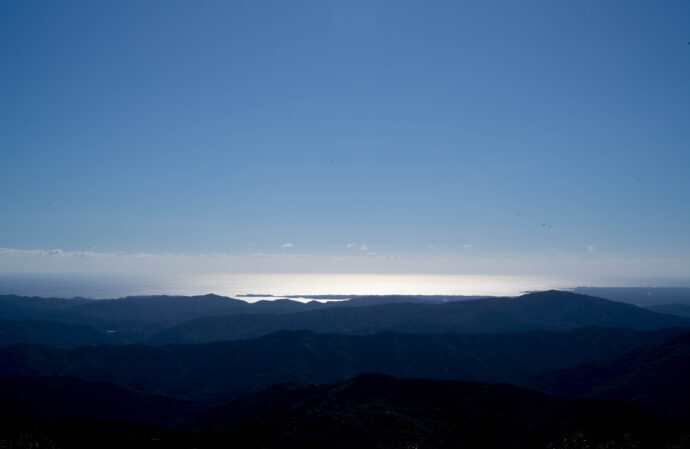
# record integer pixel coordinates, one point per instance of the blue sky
(433, 132)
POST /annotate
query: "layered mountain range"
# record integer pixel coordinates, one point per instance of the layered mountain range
(376, 371)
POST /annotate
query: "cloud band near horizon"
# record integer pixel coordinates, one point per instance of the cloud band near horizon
(593, 266)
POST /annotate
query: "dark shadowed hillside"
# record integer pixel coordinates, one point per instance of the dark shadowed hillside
(31, 399)
(672, 309)
(552, 310)
(368, 411)
(54, 333)
(217, 371)
(376, 411)
(656, 378)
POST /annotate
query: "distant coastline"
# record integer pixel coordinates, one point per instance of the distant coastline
(330, 287)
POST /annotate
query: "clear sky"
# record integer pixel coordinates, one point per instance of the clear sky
(430, 136)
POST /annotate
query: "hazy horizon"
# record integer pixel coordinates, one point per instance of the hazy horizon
(270, 285)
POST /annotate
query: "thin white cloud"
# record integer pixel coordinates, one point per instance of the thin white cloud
(351, 245)
(467, 245)
(287, 245)
(591, 248)
(364, 247)
(589, 269)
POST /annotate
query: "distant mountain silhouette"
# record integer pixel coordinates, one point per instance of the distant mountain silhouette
(378, 411)
(13, 307)
(640, 296)
(137, 312)
(551, 310)
(224, 370)
(200, 319)
(134, 318)
(655, 377)
(672, 309)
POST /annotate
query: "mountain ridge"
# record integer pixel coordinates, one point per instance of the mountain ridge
(654, 377)
(225, 370)
(550, 310)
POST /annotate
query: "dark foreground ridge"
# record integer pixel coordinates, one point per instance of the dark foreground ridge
(56, 398)
(656, 378)
(368, 411)
(373, 410)
(226, 370)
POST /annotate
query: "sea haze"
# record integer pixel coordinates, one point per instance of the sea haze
(271, 285)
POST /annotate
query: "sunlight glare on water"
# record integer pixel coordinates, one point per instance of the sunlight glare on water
(375, 284)
(113, 286)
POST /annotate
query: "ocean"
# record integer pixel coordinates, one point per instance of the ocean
(271, 285)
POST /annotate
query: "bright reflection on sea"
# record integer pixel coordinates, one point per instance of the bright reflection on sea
(280, 285)
(374, 284)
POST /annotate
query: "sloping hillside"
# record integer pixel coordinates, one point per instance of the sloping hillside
(218, 371)
(655, 377)
(378, 411)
